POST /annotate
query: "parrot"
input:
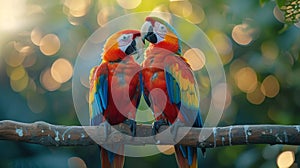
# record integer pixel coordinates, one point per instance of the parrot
(165, 69)
(115, 91)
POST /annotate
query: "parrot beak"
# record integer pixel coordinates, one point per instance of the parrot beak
(131, 49)
(147, 33)
(139, 45)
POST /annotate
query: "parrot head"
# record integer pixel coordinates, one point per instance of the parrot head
(120, 44)
(161, 34)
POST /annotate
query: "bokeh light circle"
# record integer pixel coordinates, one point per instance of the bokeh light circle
(195, 57)
(129, 4)
(90, 56)
(61, 70)
(285, 159)
(49, 44)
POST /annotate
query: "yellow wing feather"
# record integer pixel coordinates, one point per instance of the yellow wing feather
(186, 82)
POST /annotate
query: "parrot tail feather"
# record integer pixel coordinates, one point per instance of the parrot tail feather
(111, 160)
(186, 158)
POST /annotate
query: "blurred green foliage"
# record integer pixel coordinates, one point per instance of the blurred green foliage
(247, 34)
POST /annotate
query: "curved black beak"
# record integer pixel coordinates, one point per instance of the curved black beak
(147, 33)
(131, 49)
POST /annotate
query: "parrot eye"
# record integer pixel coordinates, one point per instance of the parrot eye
(160, 29)
(125, 39)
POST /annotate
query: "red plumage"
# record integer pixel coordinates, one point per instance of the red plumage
(169, 85)
(115, 90)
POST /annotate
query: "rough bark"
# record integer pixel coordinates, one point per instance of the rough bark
(56, 135)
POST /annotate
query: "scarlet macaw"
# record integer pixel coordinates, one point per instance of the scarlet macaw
(115, 90)
(165, 69)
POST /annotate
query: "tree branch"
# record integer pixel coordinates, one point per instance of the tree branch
(55, 135)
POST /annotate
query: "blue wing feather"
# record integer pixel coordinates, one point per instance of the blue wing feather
(169, 86)
(198, 121)
(183, 151)
(102, 90)
(111, 156)
(172, 88)
(99, 104)
(97, 118)
(190, 154)
(190, 113)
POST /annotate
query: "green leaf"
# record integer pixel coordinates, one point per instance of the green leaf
(280, 3)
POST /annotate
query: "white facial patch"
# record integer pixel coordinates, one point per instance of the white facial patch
(160, 30)
(124, 41)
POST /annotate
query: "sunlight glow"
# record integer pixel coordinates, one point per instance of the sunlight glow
(246, 79)
(49, 44)
(256, 96)
(18, 73)
(223, 45)
(48, 82)
(77, 8)
(14, 58)
(195, 57)
(166, 149)
(36, 36)
(61, 70)
(182, 8)
(270, 86)
(19, 79)
(242, 34)
(11, 14)
(103, 15)
(76, 162)
(198, 14)
(129, 4)
(163, 12)
(285, 159)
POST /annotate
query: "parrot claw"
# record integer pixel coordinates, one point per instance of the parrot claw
(174, 128)
(132, 126)
(157, 124)
(107, 129)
